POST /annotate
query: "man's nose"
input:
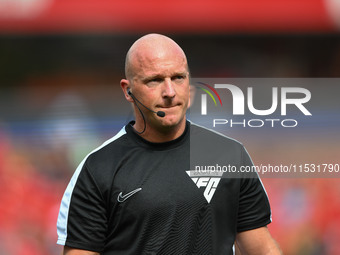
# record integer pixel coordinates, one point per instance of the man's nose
(168, 89)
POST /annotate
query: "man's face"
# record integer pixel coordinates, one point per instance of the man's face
(161, 82)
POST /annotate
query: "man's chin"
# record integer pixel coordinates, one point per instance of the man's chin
(171, 121)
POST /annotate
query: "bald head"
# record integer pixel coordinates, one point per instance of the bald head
(149, 49)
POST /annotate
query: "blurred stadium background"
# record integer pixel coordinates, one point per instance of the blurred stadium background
(60, 66)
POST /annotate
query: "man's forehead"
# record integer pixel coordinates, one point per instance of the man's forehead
(162, 70)
(154, 64)
(153, 54)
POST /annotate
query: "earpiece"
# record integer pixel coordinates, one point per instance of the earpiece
(159, 113)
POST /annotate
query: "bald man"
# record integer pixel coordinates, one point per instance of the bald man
(155, 60)
(135, 194)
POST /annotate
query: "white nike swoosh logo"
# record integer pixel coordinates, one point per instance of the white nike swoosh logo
(122, 198)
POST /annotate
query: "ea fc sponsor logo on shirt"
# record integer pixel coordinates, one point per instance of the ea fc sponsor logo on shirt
(208, 181)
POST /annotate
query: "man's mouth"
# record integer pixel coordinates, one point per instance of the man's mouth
(168, 106)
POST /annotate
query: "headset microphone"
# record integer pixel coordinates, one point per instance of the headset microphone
(159, 113)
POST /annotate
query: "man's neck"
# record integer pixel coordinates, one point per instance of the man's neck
(160, 135)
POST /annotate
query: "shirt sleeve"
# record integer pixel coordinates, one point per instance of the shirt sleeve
(254, 209)
(82, 221)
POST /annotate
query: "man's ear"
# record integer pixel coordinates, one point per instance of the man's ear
(125, 85)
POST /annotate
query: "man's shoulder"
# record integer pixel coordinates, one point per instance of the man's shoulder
(105, 153)
(101, 162)
(208, 148)
(206, 136)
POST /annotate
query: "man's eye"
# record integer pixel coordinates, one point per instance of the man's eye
(155, 80)
(178, 77)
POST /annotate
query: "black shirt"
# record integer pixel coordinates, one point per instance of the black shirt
(131, 196)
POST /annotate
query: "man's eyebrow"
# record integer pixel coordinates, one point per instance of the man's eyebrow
(160, 76)
(152, 77)
(185, 73)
